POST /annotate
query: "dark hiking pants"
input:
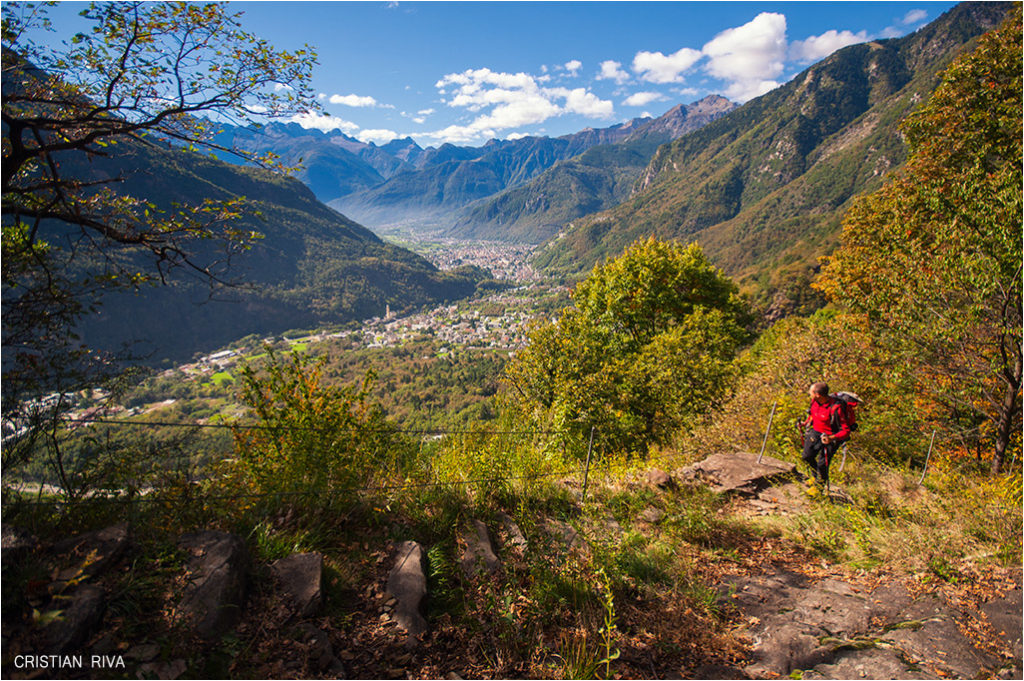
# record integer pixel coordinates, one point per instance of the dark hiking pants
(817, 455)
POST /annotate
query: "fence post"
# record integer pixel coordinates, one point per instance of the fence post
(769, 430)
(586, 471)
(926, 458)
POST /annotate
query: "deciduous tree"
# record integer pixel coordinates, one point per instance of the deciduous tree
(934, 256)
(154, 73)
(648, 346)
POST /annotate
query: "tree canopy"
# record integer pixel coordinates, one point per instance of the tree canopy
(933, 258)
(145, 73)
(647, 347)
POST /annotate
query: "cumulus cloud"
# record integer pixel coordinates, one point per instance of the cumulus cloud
(612, 70)
(425, 112)
(643, 98)
(353, 100)
(310, 120)
(377, 136)
(655, 67)
(750, 56)
(820, 46)
(914, 16)
(511, 100)
(573, 66)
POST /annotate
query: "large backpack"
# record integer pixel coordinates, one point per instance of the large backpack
(848, 402)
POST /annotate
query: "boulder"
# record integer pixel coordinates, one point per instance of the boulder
(81, 614)
(659, 479)
(407, 584)
(514, 538)
(737, 472)
(300, 577)
(89, 554)
(319, 652)
(479, 552)
(218, 571)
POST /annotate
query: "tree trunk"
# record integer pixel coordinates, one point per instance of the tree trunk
(1007, 411)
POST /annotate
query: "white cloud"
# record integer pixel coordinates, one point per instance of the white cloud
(582, 101)
(425, 112)
(459, 134)
(820, 46)
(310, 120)
(750, 56)
(655, 67)
(278, 87)
(353, 100)
(612, 70)
(511, 100)
(377, 136)
(643, 98)
(914, 16)
(516, 136)
(573, 66)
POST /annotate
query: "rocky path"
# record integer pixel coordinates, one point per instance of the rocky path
(801, 626)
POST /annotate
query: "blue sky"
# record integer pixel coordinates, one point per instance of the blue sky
(466, 72)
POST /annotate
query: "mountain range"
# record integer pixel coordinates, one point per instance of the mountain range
(764, 187)
(401, 182)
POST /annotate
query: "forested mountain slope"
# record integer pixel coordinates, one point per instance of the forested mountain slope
(597, 179)
(311, 266)
(763, 188)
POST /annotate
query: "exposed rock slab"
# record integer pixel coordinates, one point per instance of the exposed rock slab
(514, 538)
(479, 552)
(301, 578)
(831, 630)
(82, 612)
(89, 554)
(1004, 615)
(407, 584)
(737, 472)
(565, 535)
(218, 571)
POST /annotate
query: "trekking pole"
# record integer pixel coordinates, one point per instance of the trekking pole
(926, 458)
(586, 472)
(769, 430)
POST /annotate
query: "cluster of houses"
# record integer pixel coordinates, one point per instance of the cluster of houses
(452, 325)
(505, 261)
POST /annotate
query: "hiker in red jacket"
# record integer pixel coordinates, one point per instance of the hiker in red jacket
(826, 428)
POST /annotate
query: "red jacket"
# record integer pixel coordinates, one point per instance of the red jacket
(828, 418)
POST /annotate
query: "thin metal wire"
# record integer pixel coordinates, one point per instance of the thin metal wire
(257, 426)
